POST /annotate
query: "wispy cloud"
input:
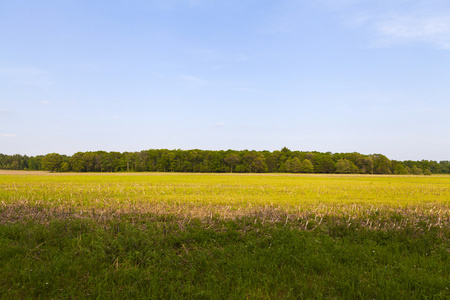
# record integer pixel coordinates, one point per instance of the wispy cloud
(219, 124)
(388, 23)
(403, 28)
(399, 22)
(45, 102)
(7, 135)
(192, 79)
(241, 57)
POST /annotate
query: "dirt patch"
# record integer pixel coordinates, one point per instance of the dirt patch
(20, 172)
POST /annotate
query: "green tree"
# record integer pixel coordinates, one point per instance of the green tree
(307, 166)
(248, 158)
(367, 165)
(232, 160)
(416, 170)
(77, 162)
(35, 162)
(445, 166)
(273, 161)
(65, 167)
(353, 168)
(52, 162)
(381, 164)
(163, 162)
(15, 165)
(296, 165)
(286, 166)
(400, 169)
(310, 156)
(343, 166)
(327, 163)
(258, 165)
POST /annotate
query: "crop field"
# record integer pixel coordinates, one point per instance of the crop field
(224, 236)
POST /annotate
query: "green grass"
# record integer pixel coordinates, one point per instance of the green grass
(158, 258)
(166, 236)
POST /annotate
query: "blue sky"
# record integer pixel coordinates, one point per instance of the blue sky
(340, 76)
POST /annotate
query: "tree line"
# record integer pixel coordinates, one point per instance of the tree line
(204, 161)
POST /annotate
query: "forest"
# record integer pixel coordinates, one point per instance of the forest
(212, 161)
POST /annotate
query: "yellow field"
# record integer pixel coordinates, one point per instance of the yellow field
(271, 196)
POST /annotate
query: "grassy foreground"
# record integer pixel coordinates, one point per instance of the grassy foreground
(167, 236)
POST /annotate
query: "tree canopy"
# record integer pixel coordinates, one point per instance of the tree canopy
(221, 161)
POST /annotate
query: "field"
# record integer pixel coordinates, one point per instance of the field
(216, 236)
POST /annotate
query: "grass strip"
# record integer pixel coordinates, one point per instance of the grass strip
(164, 257)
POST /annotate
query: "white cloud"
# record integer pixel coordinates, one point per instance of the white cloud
(219, 124)
(46, 102)
(7, 135)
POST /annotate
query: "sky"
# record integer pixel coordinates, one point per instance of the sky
(312, 75)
